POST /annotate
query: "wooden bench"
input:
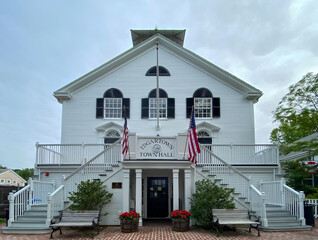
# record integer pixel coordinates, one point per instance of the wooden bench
(233, 217)
(76, 219)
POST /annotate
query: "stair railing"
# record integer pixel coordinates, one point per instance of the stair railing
(222, 170)
(258, 204)
(107, 158)
(278, 193)
(55, 203)
(33, 194)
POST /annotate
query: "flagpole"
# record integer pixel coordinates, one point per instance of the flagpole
(185, 147)
(157, 90)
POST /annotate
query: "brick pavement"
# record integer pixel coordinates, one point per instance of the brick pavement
(166, 233)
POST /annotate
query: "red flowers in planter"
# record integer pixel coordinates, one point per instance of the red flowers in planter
(129, 216)
(180, 214)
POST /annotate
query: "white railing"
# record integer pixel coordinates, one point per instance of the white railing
(258, 204)
(92, 169)
(55, 203)
(274, 191)
(278, 193)
(33, 194)
(68, 153)
(294, 203)
(222, 170)
(246, 154)
(315, 203)
(81, 153)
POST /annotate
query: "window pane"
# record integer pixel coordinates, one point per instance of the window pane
(113, 107)
(202, 107)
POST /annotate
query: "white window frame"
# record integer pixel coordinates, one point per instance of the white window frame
(8, 180)
(14, 181)
(203, 107)
(2, 181)
(113, 108)
(163, 108)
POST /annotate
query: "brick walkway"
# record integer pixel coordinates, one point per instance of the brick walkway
(165, 232)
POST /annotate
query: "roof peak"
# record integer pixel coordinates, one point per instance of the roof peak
(138, 36)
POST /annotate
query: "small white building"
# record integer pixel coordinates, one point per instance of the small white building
(9, 178)
(156, 177)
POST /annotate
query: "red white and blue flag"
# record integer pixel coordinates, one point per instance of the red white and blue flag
(193, 143)
(125, 144)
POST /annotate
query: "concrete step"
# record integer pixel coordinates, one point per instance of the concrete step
(31, 218)
(39, 207)
(277, 213)
(35, 213)
(21, 230)
(283, 223)
(286, 229)
(29, 224)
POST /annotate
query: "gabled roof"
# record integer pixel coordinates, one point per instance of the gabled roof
(2, 171)
(249, 92)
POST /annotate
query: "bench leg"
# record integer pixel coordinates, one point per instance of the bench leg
(55, 229)
(256, 227)
(216, 227)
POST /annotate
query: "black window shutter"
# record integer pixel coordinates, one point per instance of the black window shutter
(144, 108)
(126, 103)
(216, 107)
(171, 108)
(100, 108)
(190, 103)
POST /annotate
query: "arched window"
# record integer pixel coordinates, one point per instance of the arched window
(204, 104)
(149, 105)
(153, 71)
(204, 137)
(112, 104)
(111, 136)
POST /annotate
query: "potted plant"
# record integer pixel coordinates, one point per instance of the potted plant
(180, 220)
(129, 221)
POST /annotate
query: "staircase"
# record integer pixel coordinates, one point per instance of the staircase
(33, 221)
(281, 220)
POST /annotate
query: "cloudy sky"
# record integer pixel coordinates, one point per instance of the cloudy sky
(44, 45)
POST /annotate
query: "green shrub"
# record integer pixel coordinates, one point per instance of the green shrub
(209, 196)
(90, 195)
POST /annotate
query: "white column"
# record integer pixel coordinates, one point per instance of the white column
(175, 189)
(139, 194)
(126, 190)
(187, 189)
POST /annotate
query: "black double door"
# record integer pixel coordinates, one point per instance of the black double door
(157, 197)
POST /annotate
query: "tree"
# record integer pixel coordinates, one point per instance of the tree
(297, 114)
(25, 173)
(90, 195)
(2, 167)
(209, 196)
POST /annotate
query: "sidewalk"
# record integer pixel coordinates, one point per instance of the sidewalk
(165, 232)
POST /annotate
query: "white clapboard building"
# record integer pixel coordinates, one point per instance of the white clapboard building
(157, 83)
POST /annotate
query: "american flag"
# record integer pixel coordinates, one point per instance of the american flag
(193, 143)
(125, 144)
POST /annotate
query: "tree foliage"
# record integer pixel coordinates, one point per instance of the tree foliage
(209, 196)
(297, 114)
(25, 173)
(90, 195)
(296, 174)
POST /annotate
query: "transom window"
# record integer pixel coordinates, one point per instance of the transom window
(153, 71)
(111, 137)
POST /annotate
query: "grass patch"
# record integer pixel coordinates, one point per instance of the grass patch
(2, 220)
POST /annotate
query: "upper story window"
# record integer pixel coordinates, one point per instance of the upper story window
(149, 105)
(112, 104)
(204, 104)
(153, 71)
